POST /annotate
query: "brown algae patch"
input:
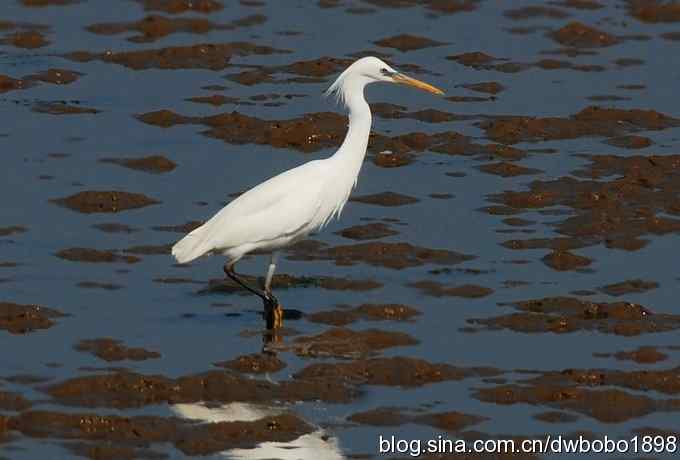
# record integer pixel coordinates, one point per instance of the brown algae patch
(149, 249)
(393, 112)
(113, 350)
(562, 260)
(394, 371)
(129, 432)
(285, 281)
(580, 35)
(528, 12)
(489, 87)
(591, 121)
(114, 227)
(315, 131)
(505, 169)
(22, 319)
(182, 6)
(256, 363)
(308, 133)
(12, 230)
(345, 343)
(61, 108)
(366, 312)
(15, 402)
(8, 83)
(630, 142)
(435, 6)
(305, 71)
(562, 315)
(608, 406)
(200, 56)
(556, 417)
(372, 231)
(129, 390)
(406, 42)
(99, 285)
(30, 39)
(642, 355)
(617, 212)
(435, 289)
(108, 201)
(482, 61)
(629, 287)
(579, 4)
(154, 27)
(89, 255)
(380, 254)
(389, 416)
(156, 164)
(43, 3)
(180, 228)
(654, 11)
(387, 199)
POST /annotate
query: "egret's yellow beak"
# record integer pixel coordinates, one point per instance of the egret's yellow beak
(404, 80)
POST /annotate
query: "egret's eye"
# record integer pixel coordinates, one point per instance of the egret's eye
(384, 71)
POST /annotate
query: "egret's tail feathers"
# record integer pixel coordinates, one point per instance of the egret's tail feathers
(190, 247)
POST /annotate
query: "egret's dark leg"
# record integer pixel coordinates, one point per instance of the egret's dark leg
(229, 271)
(272, 309)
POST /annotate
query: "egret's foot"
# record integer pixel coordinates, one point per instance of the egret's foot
(273, 312)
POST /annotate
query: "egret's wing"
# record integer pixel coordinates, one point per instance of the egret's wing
(279, 207)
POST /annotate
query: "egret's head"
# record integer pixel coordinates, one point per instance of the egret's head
(370, 70)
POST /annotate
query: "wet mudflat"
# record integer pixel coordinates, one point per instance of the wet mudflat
(506, 268)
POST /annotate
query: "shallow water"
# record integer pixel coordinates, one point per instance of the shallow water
(191, 331)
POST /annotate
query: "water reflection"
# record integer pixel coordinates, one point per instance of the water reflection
(318, 445)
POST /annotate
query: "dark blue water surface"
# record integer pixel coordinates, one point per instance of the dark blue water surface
(191, 333)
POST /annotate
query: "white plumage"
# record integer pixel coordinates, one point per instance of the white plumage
(297, 202)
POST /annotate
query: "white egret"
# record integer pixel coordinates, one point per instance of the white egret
(286, 208)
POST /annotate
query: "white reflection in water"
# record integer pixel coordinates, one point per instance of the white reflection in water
(317, 445)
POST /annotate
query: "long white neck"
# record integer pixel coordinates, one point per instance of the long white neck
(350, 156)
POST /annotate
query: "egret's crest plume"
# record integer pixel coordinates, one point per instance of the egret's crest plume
(336, 90)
